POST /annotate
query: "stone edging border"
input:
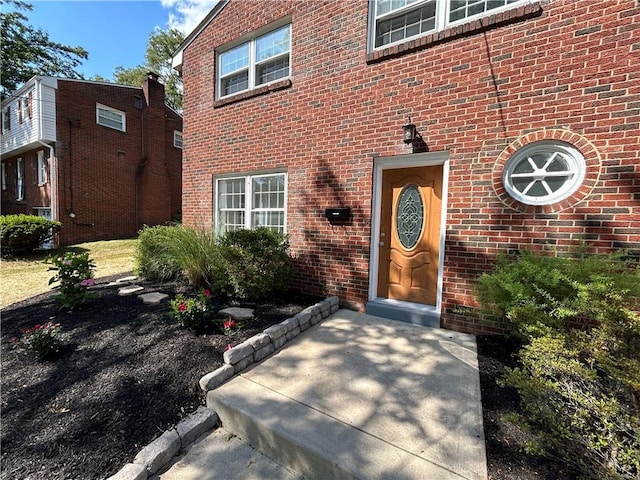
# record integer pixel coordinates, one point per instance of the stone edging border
(161, 451)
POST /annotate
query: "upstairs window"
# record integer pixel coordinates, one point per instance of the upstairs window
(261, 60)
(110, 117)
(177, 139)
(6, 119)
(28, 104)
(395, 21)
(19, 110)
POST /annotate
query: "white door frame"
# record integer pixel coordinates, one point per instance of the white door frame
(380, 164)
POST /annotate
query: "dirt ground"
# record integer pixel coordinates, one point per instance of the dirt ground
(127, 373)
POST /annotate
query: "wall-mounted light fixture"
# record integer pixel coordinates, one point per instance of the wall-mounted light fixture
(409, 132)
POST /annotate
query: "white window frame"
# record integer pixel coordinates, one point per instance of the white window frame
(6, 119)
(443, 8)
(248, 199)
(42, 168)
(20, 179)
(101, 121)
(576, 172)
(177, 139)
(253, 64)
(4, 176)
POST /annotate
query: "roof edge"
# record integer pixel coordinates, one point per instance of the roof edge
(176, 58)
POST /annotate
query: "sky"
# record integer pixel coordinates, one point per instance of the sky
(114, 32)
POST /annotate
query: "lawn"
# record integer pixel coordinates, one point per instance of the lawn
(27, 276)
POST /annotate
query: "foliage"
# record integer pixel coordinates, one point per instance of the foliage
(24, 233)
(230, 326)
(27, 51)
(191, 312)
(43, 340)
(579, 388)
(74, 271)
(257, 262)
(162, 44)
(539, 294)
(178, 252)
(153, 258)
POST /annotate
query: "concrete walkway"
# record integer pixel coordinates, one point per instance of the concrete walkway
(355, 396)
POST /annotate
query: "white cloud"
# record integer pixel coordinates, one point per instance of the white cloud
(185, 15)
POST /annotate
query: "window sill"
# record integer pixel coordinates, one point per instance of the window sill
(462, 30)
(263, 90)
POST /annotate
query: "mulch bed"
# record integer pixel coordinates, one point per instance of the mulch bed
(128, 373)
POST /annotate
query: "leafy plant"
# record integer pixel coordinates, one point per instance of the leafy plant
(230, 326)
(42, 340)
(191, 312)
(24, 233)
(579, 388)
(74, 271)
(153, 254)
(178, 252)
(257, 262)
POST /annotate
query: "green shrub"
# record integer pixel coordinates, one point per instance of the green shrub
(24, 233)
(43, 340)
(579, 389)
(178, 252)
(153, 257)
(197, 253)
(191, 312)
(74, 271)
(257, 262)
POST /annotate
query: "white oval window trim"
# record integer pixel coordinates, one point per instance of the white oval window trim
(544, 172)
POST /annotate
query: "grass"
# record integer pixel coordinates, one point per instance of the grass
(27, 276)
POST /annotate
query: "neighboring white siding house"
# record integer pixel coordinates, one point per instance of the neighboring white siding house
(29, 116)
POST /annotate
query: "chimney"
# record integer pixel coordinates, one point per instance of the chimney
(153, 90)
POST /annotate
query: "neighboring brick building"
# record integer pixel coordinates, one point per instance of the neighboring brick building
(527, 136)
(103, 159)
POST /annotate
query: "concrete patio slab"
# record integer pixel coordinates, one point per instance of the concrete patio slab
(359, 396)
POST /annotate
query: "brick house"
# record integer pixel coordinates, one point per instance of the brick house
(524, 133)
(101, 158)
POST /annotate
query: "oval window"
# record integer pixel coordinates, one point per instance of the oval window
(409, 216)
(544, 172)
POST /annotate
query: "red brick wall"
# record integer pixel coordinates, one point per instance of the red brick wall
(114, 182)
(557, 69)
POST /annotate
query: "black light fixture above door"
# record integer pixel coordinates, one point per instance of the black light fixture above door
(409, 131)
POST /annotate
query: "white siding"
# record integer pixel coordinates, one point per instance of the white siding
(42, 124)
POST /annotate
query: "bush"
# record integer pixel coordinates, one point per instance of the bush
(177, 252)
(579, 389)
(74, 271)
(24, 233)
(153, 256)
(191, 312)
(257, 262)
(42, 340)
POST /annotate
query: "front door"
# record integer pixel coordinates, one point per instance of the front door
(409, 241)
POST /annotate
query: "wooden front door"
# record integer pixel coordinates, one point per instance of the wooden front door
(409, 242)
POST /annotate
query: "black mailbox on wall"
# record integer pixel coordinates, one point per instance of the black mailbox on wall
(337, 214)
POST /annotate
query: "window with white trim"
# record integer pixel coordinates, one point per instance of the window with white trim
(259, 61)
(4, 176)
(394, 21)
(251, 201)
(544, 172)
(42, 168)
(19, 179)
(110, 117)
(6, 119)
(177, 139)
